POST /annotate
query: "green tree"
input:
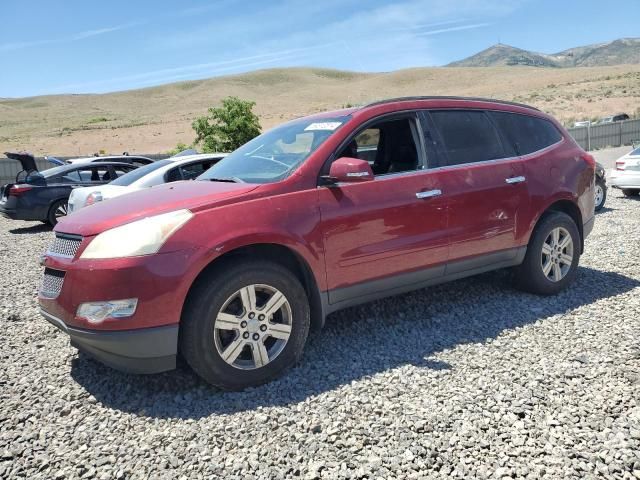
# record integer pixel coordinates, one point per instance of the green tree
(227, 127)
(179, 148)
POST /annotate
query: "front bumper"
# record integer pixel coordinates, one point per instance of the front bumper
(145, 350)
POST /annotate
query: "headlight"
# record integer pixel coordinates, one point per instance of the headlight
(142, 237)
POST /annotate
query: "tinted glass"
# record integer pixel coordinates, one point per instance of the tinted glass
(173, 175)
(94, 174)
(527, 134)
(189, 172)
(138, 173)
(468, 136)
(274, 155)
(55, 171)
(70, 176)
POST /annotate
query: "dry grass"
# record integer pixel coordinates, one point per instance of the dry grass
(155, 119)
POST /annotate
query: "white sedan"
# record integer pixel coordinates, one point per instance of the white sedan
(163, 171)
(626, 175)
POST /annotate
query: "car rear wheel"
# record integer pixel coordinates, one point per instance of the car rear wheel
(553, 253)
(58, 210)
(601, 194)
(628, 192)
(245, 324)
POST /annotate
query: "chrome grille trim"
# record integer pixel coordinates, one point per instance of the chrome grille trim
(51, 284)
(64, 246)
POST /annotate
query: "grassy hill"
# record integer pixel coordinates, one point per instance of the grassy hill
(154, 119)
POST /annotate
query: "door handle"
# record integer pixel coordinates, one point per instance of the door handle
(515, 180)
(428, 194)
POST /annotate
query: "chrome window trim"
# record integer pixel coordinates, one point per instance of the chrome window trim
(499, 160)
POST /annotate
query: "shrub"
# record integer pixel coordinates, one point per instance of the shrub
(227, 127)
(180, 147)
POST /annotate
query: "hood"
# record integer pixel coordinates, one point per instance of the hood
(26, 159)
(193, 195)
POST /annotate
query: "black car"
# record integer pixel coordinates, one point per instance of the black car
(601, 187)
(44, 195)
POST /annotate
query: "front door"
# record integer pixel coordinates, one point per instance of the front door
(390, 232)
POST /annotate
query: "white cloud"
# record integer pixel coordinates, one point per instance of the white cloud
(71, 38)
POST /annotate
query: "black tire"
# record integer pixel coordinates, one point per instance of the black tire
(600, 183)
(52, 216)
(208, 296)
(530, 276)
(629, 192)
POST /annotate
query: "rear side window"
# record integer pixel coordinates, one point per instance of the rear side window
(190, 172)
(527, 134)
(468, 136)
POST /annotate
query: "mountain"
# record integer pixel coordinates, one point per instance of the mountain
(617, 52)
(501, 55)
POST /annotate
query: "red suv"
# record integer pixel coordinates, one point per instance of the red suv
(234, 269)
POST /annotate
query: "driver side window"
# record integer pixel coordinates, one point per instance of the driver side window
(389, 146)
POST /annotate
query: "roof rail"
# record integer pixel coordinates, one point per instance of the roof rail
(445, 97)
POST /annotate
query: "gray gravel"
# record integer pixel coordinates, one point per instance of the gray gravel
(467, 379)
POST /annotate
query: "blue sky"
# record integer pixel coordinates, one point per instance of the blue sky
(49, 47)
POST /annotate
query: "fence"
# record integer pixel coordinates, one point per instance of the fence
(614, 134)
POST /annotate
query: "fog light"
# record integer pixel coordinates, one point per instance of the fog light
(97, 312)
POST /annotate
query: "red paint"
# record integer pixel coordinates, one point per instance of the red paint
(346, 234)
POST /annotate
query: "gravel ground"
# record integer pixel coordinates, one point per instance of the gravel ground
(466, 379)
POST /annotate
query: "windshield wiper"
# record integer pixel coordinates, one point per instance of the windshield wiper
(226, 179)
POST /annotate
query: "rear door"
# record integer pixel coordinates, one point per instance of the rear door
(485, 185)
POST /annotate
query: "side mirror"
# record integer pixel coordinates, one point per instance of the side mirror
(349, 170)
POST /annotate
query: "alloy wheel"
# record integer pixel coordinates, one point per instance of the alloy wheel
(599, 195)
(557, 254)
(62, 210)
(253, 327)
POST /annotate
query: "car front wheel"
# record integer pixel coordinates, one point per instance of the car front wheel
(245, 324)
(551, 262)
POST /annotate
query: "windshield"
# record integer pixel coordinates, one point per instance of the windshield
(128, 178)
(274, 155)
(635, 152)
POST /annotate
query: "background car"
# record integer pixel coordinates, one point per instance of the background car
(156, 173)
(601, 187)
(626, 176)
(43, 195)
(132, 159)
(583, 123)
(614, 118)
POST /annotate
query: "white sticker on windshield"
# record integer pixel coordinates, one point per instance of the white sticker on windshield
(323, 126)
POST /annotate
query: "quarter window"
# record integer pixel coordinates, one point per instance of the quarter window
(468, 136)
(527, 134)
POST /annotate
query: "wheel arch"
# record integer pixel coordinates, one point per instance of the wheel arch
(280, 254)
(569, 208)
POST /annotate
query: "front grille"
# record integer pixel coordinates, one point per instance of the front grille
(64, 246)
(51, 285)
